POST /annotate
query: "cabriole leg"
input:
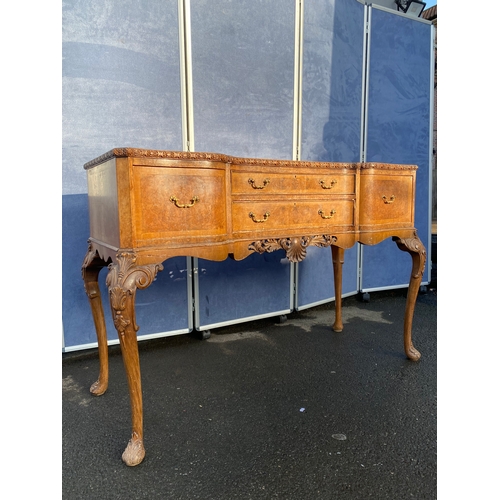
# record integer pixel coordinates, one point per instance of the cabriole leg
(91, 267)
(418, 254)
(123, 279)
(338, 261)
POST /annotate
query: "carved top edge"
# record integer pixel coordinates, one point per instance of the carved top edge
(217, 157)
(153, 153)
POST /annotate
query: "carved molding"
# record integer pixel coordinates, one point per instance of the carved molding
(122, 281)
(387, 166)
(153, 153)
(295, 248)
(261, 162)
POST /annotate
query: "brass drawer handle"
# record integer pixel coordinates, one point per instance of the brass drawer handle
(264, 184)
(175, 201)
(252, 216)
(323, 216)
(388, 201)
(324, 186)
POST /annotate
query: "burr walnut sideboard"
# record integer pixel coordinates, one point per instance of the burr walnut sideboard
(146, 206)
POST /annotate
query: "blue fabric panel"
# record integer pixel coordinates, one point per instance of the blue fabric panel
(331, 120)
(120, 87)
(233, 290)
(243, 78)
(315, 276)
(332, 80)
(120, 81)
(399, 129)
(162, 307)
(77, 318)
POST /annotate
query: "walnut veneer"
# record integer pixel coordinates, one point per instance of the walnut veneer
(146, 206)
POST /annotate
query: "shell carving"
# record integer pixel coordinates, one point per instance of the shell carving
(295, 248)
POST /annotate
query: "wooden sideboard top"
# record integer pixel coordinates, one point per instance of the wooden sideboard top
(217, 157)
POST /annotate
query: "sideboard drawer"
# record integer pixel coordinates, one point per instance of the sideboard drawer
(262, 183)
(386, 199)
(176, 202)
(262, 215)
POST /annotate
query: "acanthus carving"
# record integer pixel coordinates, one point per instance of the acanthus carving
(295, 248)
(413, 245)
(123, 279)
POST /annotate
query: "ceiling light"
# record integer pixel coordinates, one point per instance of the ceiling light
(411, 7)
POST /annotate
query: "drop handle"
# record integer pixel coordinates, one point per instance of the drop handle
(264, 183)
(192, 202)
(388, 201)
(323, 216)
(252, 216)
(324, 184)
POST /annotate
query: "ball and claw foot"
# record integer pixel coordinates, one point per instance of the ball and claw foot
(134, 452)
(412, 353)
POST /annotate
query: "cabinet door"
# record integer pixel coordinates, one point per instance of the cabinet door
(386, 199)
(172, 204)
(399, 129)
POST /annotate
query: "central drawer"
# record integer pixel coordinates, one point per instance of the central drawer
(264, 183)
(262, 215)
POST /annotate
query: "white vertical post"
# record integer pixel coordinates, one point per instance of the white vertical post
(186, 75)
(297, 100)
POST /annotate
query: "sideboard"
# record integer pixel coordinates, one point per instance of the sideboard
(146, 206)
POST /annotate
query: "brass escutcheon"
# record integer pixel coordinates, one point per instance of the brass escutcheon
(323, 216)
(388, 201)
(175, 201)
(264, 184)
(252, 216)
(325, 186)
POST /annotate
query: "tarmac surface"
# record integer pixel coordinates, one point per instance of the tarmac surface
(265, 410)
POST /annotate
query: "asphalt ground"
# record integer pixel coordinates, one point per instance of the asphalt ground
(265, 410)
